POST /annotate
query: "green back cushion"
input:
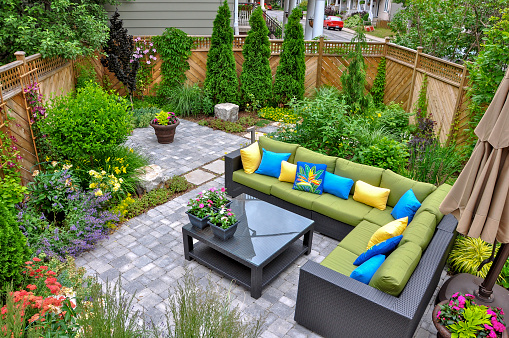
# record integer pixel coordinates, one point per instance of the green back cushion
(400, 185)
(277, 147)
(394, 273)
(340, 260)
(420, 230)
(306, 155)
(356, 171)
(433, 201)
(380, 217)
(357, 240)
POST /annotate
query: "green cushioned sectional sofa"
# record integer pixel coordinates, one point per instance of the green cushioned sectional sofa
(329, 302)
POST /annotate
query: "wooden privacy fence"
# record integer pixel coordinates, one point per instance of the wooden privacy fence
(327, 60)
(55, 76)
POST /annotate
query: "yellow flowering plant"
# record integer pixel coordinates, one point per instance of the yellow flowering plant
(102, 182)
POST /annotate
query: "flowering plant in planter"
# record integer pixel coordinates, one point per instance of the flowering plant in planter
(224, 218)
(464, 318)
(165, 118)
(200, 206)
(217, 196)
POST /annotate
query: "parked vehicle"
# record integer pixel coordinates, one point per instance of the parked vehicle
(333, 22)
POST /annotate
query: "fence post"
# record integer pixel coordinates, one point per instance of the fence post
(387, 40)
(319, 64)
(414, 73)
(459, 98)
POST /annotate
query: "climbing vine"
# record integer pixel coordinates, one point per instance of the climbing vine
(422, 101)
(174, 46)
(378, 89)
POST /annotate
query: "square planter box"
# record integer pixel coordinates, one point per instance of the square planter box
(223, 234)
(200, 223)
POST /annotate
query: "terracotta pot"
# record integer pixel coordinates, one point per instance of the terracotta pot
(165, 134)
(442, 331)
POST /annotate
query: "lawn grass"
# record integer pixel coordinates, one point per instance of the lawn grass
(381, 32)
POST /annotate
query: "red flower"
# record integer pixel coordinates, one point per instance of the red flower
(31, 287)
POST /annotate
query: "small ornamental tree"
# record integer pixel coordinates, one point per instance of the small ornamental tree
(291, 71)
(256, 76)
(13, 246)
(353, 79)
(378, 89)
(221, 80)
(119, 52)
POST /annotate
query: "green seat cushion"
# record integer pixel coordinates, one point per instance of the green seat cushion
(399, 185)
(347, 211)
(420, 230)
(277, 147)
(306, 155)
(380, 217)
(433, 201)
(357, 240)
(284, 191)
(258, 182)
(340, 260)
(356, 171)
(394, 273)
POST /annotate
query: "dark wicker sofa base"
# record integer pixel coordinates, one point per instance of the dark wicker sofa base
(334, 305)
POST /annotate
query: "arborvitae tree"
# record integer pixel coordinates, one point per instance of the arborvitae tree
(13, 246)
(256, 76)
(378, 89)
(291, 71)
(221, 80)
(354, 79)
(119, 54)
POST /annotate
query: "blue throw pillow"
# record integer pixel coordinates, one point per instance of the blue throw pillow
(309, 177)
(365, 272)
(271, 163)
(337, 185)
(407, 206)
(381, 248)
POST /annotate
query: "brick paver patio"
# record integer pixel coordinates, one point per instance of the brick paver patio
(148, 251)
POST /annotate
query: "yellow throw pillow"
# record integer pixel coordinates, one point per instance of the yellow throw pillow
(392, 229)
(288, 172)
(373, 196)
(251, 158)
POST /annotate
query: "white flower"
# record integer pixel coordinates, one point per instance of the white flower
(35, 173)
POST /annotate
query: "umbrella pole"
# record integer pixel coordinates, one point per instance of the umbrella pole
(485, 291)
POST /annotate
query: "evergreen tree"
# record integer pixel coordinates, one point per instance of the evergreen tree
(256, 76)
(291, 71)
(221, 80)
(354, 79)
(13, 246)
(378, 89)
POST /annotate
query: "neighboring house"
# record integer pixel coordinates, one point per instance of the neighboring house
(152, 17)
(381, 10)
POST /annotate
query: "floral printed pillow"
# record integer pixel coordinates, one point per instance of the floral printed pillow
(310, 177)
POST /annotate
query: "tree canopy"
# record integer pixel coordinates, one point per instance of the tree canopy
(67, 28)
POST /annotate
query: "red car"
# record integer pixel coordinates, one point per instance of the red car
(333, 22)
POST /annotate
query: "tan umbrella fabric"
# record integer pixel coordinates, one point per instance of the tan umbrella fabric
(480, 197)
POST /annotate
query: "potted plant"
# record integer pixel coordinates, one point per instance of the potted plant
(460, 316)
(223, 223)
(200, 208)
(164, 125)
(218, 198)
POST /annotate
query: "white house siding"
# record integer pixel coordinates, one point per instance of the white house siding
(392, 9)
(152, 17)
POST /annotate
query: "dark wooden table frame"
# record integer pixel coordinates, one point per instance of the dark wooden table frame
(253, 277)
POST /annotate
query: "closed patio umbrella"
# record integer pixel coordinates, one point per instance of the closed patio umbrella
(479, 200)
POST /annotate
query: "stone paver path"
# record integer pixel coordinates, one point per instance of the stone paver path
(148, 251)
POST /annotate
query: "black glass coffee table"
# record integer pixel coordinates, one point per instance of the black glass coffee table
(266, 242)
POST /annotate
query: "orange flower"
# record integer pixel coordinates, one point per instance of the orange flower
(36, 259)
(31, 287)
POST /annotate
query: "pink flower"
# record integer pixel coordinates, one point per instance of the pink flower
(438, 313)
(148, 62)
(469, 295)
(490, 312)
(197, 200)
(492, 334)
(487, 327)
(223, 189)
(461, 301)
(201, 205)
(229, 214)
(145, 51)
(455, 308)
(455, 295)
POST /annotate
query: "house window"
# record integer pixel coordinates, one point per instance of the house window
(386, 6)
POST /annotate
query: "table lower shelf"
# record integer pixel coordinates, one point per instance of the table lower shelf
(240, 273)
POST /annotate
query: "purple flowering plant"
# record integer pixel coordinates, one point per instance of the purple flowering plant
(200, 206)
(145, 52)
(464, 318)
(223, 218)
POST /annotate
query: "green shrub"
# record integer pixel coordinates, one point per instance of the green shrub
(247, 121)
(190, 100)
(85, 72)
(378, 89)
(291, 71)
(227, 126)
(386, 153)
(177, 184)
(91, 121)
(174, 46)
(434, 163)
(143, 116)
(256, 76)
(353, 21)
(13, 246)
(303, 5)
(468, 253)
(394, 120)
(221, 78)
(422, 101)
